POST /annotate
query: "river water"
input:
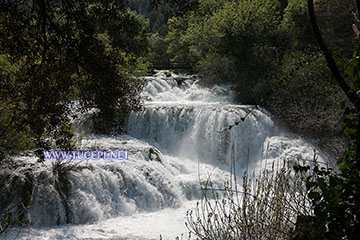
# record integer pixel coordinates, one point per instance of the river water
(185, 135)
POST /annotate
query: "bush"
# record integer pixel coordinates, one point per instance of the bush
(265, 207)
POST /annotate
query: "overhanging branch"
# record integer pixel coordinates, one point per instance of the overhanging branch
(329, 58)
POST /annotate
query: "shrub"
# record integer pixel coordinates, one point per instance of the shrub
(264, 207)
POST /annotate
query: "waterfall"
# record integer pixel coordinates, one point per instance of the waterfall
(184, 133)
(185, 120)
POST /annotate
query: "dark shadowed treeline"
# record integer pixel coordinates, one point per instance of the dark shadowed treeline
(157, 15)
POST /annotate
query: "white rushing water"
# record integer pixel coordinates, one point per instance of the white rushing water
(184, 134)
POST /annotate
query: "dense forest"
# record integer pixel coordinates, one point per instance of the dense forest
(58, 54)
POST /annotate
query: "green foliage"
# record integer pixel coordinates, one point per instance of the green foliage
(13, 140)
(335, 19)
(309, 92)
(53, 52)
(266, 49)
(222, 35)
(158, 55)
(296, 26)
(335, 194)
(157, 15)
(178, 46)
(335, 197)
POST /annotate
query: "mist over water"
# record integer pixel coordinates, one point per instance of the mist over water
(184, 133)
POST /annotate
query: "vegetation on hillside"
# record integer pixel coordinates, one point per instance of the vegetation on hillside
(267, 50)
(157, 15)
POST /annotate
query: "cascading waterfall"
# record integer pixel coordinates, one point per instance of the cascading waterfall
(184, 132)
(185, 120)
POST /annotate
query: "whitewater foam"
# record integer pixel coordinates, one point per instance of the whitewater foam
(185, 136)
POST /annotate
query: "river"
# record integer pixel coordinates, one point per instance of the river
(186, 134)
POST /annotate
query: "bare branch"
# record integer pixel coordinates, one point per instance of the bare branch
(329, 58)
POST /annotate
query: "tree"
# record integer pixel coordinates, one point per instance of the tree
(335, 196)
(59, 51)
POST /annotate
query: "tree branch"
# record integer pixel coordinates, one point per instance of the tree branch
(329, 58)
(358, 8)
